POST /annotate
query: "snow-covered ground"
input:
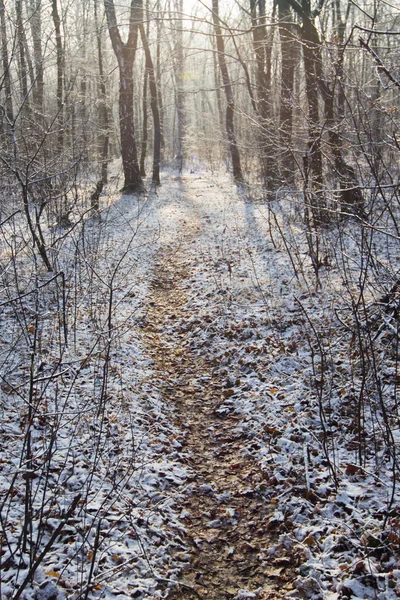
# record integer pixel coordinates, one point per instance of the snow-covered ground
(321, 415)
(84, 423)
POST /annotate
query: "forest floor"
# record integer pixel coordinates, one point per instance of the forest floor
(224, 516)
(276, 507)
(193, 401)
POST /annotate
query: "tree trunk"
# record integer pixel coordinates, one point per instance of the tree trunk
(22, 59)
(158, 79)
(36, 31)
(259, 45)
(340, 28)
(180, 97)
(217, 83)
(60, 77)
(133, 181)
(230, 109)
(352, 200)
(288, 54)
(351, 195)
(6, 67)
(145, 120)
(83, 112)
(154, 108)
(125, 54)
(314, 127)
(262, 50)
(315, 82)
(104, 137)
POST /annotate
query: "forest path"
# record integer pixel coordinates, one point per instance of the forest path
(226, 519)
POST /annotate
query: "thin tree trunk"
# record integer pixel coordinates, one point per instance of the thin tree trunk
(259, 45)
(352, 200)
(340, 27)
(351, 195)
(217, 83)
(36, 31)
(230, 109)
(314, 127)
(180, 97)
(145, 124)
(154, 108)
(22, 58)
(60, 77)
(145, 116)
(288, 53)
(6, 66)
(263, 54)
(83, 88)
(104, 137)
(158, 79)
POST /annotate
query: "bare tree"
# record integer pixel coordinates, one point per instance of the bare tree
(104, 138)
(145, 123)
(60, 76)
(125, 53)
(149, 66)
(35, 22)
(9, 113)
(230, 108)
(262, 46)
(316, 85)
(180, 98)
(289, 47)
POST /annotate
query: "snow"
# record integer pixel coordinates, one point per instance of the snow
(256, 311)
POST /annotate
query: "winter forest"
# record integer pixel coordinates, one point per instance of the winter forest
(200, 299)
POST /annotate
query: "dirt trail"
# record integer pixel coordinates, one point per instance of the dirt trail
(226, 520)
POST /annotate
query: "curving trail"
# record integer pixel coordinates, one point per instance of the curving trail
(226, 518)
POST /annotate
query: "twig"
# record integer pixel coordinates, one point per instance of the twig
(47, 547)
(381, 67)
(39, 287)
(10, 217)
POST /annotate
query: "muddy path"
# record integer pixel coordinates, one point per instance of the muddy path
(229, 533)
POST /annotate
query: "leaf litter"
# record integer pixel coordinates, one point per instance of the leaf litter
(215, 479)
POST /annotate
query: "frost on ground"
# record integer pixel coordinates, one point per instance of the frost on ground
(315, 386)
(82, 425)
(91, 453)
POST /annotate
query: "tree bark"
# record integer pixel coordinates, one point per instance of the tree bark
(154, 108)
(262, 50)
(180, 97)
(313, 161)
(9, 112)
(22, 59)
(83, 112)
(351, 195)
(315, 83)
(143, 148)
(60, 77)
(158, 78)
(36, 31)
(288, 53)
(263, 69)
(230, 109)
(314, 125)
(125, 54)
(104, 137)
(217, 83)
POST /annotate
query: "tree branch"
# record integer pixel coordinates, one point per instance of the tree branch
(381, 67)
